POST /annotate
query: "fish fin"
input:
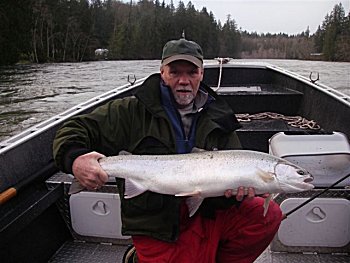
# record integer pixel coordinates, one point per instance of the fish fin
(124, 153)
(133, 189)
(265, 176)
(75, 187)
(193, 203)
(267, 203)
(197, 150)
(194, 193)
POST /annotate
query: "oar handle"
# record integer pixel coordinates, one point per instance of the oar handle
(7, 195)
(11, 192)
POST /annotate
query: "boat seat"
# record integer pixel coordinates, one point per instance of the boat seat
(254, 134)
(256, 98)
(252, 98)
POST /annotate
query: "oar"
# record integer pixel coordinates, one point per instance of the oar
(13, 191)
(315, 196)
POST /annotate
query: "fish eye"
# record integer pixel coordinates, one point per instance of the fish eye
(301, 172)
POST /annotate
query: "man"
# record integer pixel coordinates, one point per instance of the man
(172, 112)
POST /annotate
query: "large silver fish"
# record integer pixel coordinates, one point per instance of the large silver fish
(206, 174)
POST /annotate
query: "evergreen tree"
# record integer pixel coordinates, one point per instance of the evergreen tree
(230, 40)
(333, 28)
(14, 30)
(318, 40)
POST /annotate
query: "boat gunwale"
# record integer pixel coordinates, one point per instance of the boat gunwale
(338, 95)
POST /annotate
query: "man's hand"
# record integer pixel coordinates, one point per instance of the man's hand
(242, 192)
(88, 171)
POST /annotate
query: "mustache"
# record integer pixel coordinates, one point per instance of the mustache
(184, 89)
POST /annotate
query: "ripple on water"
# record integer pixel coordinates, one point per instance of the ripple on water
(33, 93)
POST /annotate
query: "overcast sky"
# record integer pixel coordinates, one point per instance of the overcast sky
(273, 16)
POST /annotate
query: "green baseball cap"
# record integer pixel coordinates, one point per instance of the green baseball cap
(182, 49)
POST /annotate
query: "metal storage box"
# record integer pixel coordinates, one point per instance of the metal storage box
(323, 225)
(96, 214)
(325, 222)
(325, 156)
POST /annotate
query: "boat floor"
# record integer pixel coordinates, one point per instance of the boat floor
(74, 252)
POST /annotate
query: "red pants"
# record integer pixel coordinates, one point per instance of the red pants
(235, 235)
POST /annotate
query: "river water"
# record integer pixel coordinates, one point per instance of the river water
(30, 94)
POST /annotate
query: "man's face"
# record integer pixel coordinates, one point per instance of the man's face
(183, 78)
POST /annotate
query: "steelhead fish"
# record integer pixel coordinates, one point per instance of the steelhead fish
(206, 174)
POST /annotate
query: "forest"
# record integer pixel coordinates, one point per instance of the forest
(46, 31)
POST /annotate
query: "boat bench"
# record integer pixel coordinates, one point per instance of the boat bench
(260, 98)
(253, 98)
(254, 135)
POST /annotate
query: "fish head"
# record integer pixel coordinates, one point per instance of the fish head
(293, 178)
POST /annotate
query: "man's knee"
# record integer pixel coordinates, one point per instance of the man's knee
(274, 213)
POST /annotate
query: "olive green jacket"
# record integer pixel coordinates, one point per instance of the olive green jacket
(140, 125)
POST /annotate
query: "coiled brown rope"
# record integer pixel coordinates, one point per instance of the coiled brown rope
(294, 121)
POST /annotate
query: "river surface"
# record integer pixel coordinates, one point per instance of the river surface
(30, 94)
